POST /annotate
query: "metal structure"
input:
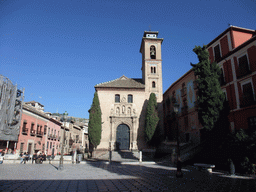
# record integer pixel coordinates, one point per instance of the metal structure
(179, 174)
(11, 99)
(63, 141)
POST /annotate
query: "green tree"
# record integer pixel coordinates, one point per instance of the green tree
(94, 127)
(152, 118)
(210, 96)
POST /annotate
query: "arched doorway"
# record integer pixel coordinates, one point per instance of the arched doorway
(122, 137)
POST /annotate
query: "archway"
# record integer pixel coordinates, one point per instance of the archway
(122, 137)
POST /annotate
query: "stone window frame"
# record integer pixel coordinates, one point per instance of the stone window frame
(130, 98)
(117, 98)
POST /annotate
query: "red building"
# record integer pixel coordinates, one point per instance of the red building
(235, 52)
(39, 132)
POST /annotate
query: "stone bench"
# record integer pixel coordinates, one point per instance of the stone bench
(202, 166)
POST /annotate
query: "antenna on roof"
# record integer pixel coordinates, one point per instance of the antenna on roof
(149, 27)
(230, 25)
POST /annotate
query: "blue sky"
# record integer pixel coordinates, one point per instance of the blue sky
(58, 50)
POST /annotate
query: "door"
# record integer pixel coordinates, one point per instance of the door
(122, 137)
(29, 148)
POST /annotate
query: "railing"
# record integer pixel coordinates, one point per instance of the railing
(39, 134)
(24, 131)
(32, 132)
(247, 100)
(183, 91)
(241, 72)
(59, 138)
(49, 136)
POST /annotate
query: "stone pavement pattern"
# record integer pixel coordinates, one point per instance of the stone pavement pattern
(99, 176)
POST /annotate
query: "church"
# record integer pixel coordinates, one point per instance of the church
(123, 101)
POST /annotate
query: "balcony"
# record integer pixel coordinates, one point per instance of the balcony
(247, 100)
(24, 131)
(71, 141)
(183, 91)
(54, 137)
(32, 132)
(59, 138)
(49, 136)
(243, 71)
(39, 134)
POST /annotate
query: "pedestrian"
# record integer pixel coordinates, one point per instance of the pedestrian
(22, 158)
(43, 157)
(27, 157)
(1, 158)
(34, 157)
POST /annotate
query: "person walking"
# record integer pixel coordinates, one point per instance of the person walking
(22, 158)
(1, 158)
(34, 157)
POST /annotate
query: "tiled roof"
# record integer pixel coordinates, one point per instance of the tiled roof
(123, 82)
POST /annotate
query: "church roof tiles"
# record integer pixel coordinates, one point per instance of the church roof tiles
(122, 82)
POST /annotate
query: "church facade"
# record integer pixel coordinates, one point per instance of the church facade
(123, 101)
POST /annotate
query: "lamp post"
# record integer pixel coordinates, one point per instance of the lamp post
(178, 173)
(63, 139)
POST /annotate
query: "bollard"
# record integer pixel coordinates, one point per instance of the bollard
(140, 156)
(110, 156)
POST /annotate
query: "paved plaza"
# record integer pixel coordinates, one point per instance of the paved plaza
(101, 176)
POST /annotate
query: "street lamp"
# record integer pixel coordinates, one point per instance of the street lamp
(63, 139)
(178, 173)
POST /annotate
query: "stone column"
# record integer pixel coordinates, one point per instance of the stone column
(134, 133)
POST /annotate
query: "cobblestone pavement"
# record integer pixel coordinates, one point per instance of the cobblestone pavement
(100, 176)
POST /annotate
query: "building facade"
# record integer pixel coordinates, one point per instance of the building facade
(123, 101)
(38, 131)
(234, 50)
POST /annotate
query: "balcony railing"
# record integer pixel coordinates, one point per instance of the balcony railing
(247, 100)
(24, 131)
(49, 136)
(183, 91)
(39, 134)
(32, 132)
(243, 71)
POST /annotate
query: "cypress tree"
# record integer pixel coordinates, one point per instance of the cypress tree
(210, 96)
(152, 118)
(94, 127)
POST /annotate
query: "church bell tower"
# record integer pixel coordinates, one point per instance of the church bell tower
(152, 64)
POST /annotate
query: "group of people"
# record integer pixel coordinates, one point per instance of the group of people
(37, 158)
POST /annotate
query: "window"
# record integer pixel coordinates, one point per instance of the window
(47, 145)
(243, 66)
(50, 145)
(221, 78)
(130, 99)
(152, 52)
(43, 148)
(153, 69)
(153, 84)
(252, 122)
(217, 52)
(248, 96)
(37, 129)
(45, 129)
(32, 128)
(117, 98)
(24, 128)
(49, 130)
(21, 147)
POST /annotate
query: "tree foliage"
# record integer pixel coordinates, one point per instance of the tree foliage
(152, 118)
(210, 96)
(94, 127)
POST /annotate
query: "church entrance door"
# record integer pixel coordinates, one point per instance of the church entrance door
(122, 137)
